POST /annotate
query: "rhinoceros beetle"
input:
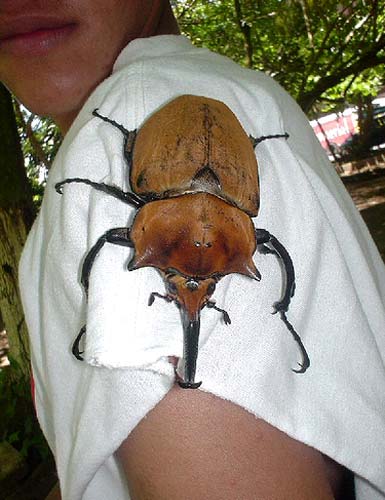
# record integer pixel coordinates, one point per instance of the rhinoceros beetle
(194, 180)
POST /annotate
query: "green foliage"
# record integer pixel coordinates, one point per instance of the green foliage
(40, 141)
(321, 52)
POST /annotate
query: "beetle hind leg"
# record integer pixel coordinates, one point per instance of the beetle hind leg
(256, 140)
(125, 196)
(117, 236)
(268, 244)
(115, 124)
(129, 135)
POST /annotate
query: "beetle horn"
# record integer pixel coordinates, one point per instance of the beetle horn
(191, 328)
(247, 269)
(252, 271)
(191, 297)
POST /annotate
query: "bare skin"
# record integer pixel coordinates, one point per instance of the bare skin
(193, 445)
(53, 73)
(53, 53)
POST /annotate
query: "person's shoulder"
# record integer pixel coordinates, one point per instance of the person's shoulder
(151, 72)
(181, 63)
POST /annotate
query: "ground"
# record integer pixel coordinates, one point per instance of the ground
(368, 193)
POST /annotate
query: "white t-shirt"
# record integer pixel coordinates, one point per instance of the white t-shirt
(87, 408)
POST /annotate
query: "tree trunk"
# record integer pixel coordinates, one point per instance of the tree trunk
(16, 216)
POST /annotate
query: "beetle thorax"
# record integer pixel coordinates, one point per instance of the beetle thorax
(199, 235)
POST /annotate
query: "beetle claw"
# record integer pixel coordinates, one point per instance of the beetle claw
(75, 346)
(303, 368)
(226, 318)
(280, 306)
(305, 358)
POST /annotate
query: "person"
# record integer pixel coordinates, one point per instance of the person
(117, 424)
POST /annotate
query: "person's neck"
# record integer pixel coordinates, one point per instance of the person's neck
(161, 21)
(165, 24)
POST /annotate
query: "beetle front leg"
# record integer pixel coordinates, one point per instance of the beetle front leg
(267, 243)
(116, 236)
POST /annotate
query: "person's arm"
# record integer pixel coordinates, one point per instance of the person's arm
(194, 445)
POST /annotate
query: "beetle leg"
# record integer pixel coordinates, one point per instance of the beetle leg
(117, 236)
(75, 346)
(112, 122)
(305, 358)
(265, 241)
(151, 299)
(127, 197)
(268, 244)
(262, 248)
(226, 318)
(129, 135)
(256, 140)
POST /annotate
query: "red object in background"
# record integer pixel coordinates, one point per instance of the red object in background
(337, 128)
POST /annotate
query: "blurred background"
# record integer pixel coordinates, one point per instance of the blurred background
(328, 55)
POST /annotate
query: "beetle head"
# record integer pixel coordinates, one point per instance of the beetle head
(191, 295)
(199, 235)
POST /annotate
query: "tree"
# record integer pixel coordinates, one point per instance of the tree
(16, 217)
(40, 141)
(316, 50)
(18, 423)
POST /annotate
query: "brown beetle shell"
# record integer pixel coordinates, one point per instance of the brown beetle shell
(196, 144)
(194, 234)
